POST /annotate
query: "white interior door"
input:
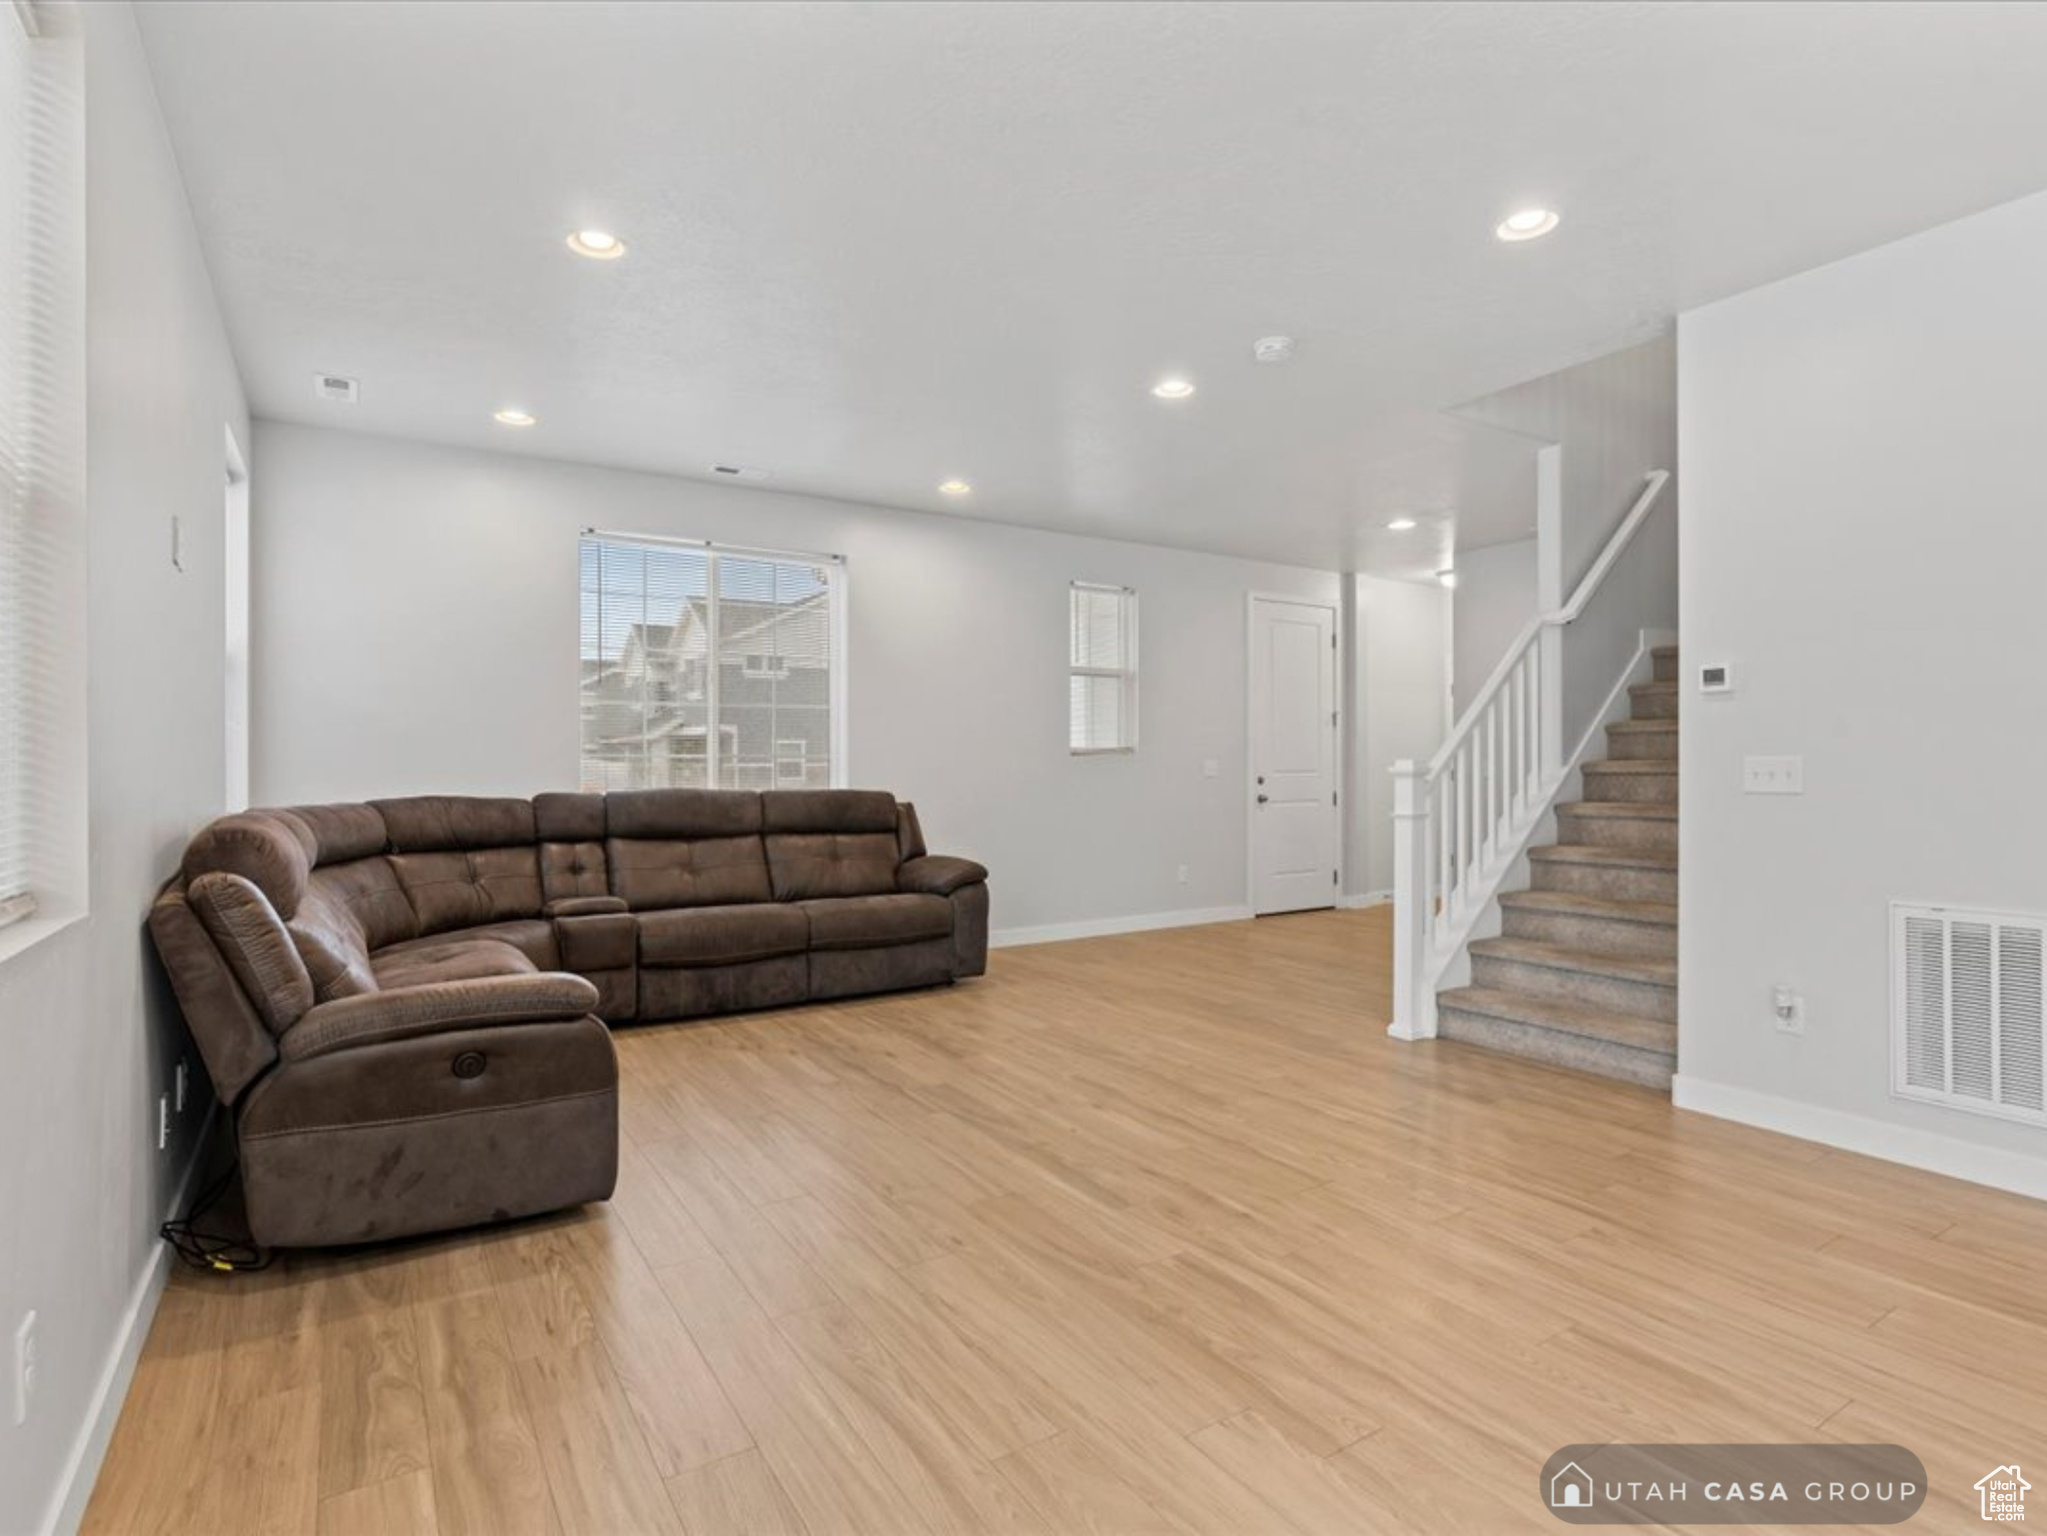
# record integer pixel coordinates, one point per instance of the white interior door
(1294, 825)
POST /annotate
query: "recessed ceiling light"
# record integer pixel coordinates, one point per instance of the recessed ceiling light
(1174, 388)
(1272, 349)
(954, 487)
(511, 417)
(1526, 224)
(1400, 524)
(597, 244)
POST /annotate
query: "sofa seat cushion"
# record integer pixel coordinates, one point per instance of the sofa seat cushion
(722, 935)
(868, 922)
(448, 959)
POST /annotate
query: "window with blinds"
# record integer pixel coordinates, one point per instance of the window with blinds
(1102, 668)
(709, 668)
(41, 216)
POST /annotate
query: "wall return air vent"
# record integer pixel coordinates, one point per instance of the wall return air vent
(1966, 1021)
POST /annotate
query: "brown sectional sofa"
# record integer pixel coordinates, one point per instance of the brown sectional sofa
(404, 1003)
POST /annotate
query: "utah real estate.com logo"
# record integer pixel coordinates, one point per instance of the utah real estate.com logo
(2004, 1495)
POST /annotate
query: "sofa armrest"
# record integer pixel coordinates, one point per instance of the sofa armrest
(938, 874)
(583, 906)
(372, 1018)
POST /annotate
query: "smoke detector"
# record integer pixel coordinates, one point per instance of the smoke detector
(738, 472)
(1273, 349)
(336, 387)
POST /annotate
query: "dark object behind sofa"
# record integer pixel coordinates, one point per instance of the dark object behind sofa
(403, 1003)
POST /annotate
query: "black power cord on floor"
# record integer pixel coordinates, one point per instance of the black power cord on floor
(220, 1252)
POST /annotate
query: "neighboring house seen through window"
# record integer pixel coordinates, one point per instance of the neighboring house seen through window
(1102, 668)
(709, 668)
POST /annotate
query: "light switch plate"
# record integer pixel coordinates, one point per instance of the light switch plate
(1773, 775)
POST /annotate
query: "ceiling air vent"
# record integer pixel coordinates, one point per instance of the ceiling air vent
(1966, 1021)
(738, 472)
(335, 387)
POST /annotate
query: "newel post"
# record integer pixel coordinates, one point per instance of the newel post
(1414, 1005)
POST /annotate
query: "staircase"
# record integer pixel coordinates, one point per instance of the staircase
(1584, 973)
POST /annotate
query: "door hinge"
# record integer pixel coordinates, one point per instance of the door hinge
(1332, 797)
(1334, 877)
(1332, 717)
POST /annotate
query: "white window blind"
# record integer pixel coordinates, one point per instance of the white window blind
(1102, 664)
(709, 668)
(38, 409)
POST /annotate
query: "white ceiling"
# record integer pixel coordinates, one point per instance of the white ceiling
(877, 245)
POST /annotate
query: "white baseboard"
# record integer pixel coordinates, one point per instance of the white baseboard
(81, 1471)
(1915, 1148)
(1351, 903)
(1102, 927)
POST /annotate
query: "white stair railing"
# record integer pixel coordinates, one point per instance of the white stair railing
(1461, 819)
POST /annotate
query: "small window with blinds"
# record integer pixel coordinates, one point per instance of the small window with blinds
(1102, 669)
(709, 668)
(41, 479)
(1967, 1027)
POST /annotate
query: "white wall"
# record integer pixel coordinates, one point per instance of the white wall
(416, 614)
(1863, 540)
(1492, 604)
(1615, 418)
(1398, 699)
(90, 1029)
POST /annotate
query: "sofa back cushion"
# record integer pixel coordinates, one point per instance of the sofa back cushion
(687, 872)
(830, 842)
(330, 943)
(252, 938)
(571, 832)
(682, 813)
(463, 860)
(273, 854)
(685, 848)
(440, 823)
(336, 834)
(350, 909)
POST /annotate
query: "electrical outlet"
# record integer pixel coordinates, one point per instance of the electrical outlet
(24, 1367)
(183, 1082)
(163, 1121)
(1773, 775)
(1183, 874)
(1210, 768)
(1789, 1008)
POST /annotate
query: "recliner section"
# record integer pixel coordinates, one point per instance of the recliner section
(390, 994)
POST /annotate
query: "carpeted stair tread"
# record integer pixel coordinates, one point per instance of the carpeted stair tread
(1611, 858)
(1619, 1029)
(1634, 810)
(1643, 727)
(1661, 973)
(1571, 904)
(1631, 765)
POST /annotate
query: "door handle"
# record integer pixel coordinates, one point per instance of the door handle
(1263, 798)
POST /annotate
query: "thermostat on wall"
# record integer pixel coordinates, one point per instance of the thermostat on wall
(1717, 678)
